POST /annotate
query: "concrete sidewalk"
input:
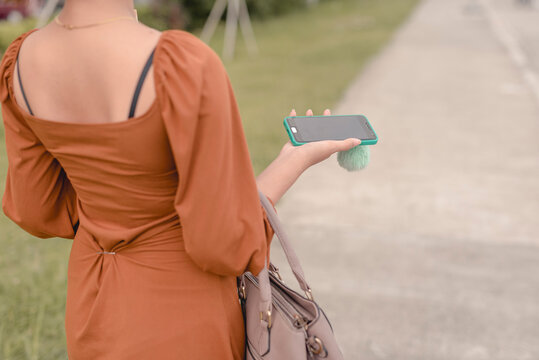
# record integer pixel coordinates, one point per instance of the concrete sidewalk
(432, 252)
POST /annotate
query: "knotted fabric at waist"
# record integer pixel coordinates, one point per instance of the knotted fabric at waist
(102, 238)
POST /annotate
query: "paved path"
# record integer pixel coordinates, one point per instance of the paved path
(432, 252)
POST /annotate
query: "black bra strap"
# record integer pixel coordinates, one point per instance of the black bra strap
(22, 89)
(139, 85)
(135, 96)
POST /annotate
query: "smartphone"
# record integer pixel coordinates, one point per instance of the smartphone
(305, 129)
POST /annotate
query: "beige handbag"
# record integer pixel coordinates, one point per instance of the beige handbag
(281, 324)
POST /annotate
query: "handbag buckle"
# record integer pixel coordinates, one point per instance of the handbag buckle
(300, 322)
(243, 294)
(268, 314)
(241, 288)
(309, 294)
(316, 347)
(275, 270)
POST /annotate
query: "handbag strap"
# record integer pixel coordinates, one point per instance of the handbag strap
(291, 256)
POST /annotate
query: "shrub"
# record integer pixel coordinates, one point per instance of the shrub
(170, 14)
(191, 14)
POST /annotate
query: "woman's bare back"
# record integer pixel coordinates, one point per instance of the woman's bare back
(86, 75)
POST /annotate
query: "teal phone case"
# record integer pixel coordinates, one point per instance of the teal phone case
(297, 143)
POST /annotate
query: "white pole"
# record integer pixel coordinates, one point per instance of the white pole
(210, 25)
(247, 29)
(231, 28)
(237, 13)
(46, 12)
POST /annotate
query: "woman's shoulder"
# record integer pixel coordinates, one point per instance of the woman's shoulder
(186, 47)
(9, 57)
(15, 43)
(13, 47)
(185, 38)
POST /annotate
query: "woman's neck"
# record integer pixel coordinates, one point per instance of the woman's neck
(80, 12)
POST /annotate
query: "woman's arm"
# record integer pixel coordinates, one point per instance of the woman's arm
(292, 161)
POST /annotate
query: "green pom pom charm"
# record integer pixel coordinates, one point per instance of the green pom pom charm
(354, 159)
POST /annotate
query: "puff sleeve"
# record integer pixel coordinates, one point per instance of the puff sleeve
(38, 195)
(225, 228)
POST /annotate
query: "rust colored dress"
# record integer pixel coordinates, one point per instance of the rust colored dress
(162, 209)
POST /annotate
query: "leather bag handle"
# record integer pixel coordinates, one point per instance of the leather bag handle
(291, 256)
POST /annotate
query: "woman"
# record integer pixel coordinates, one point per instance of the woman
(162, 205)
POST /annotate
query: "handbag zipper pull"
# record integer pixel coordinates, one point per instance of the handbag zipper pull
(300, 322)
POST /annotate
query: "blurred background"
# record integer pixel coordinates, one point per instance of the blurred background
(432, 251)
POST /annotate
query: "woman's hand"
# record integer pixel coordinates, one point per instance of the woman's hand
(292, 161)
(314, 152)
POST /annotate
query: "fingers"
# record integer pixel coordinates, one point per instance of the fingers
(347, 144)
(309, 112)
(352, 142)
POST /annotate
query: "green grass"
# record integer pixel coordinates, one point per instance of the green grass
(307, 59)
(9, 31)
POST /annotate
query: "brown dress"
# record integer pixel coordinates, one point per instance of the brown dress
(163, 210)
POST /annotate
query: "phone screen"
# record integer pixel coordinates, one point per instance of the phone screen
(317, 128)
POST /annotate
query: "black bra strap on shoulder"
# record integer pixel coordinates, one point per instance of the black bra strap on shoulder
(22, 89)
(139, 84)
